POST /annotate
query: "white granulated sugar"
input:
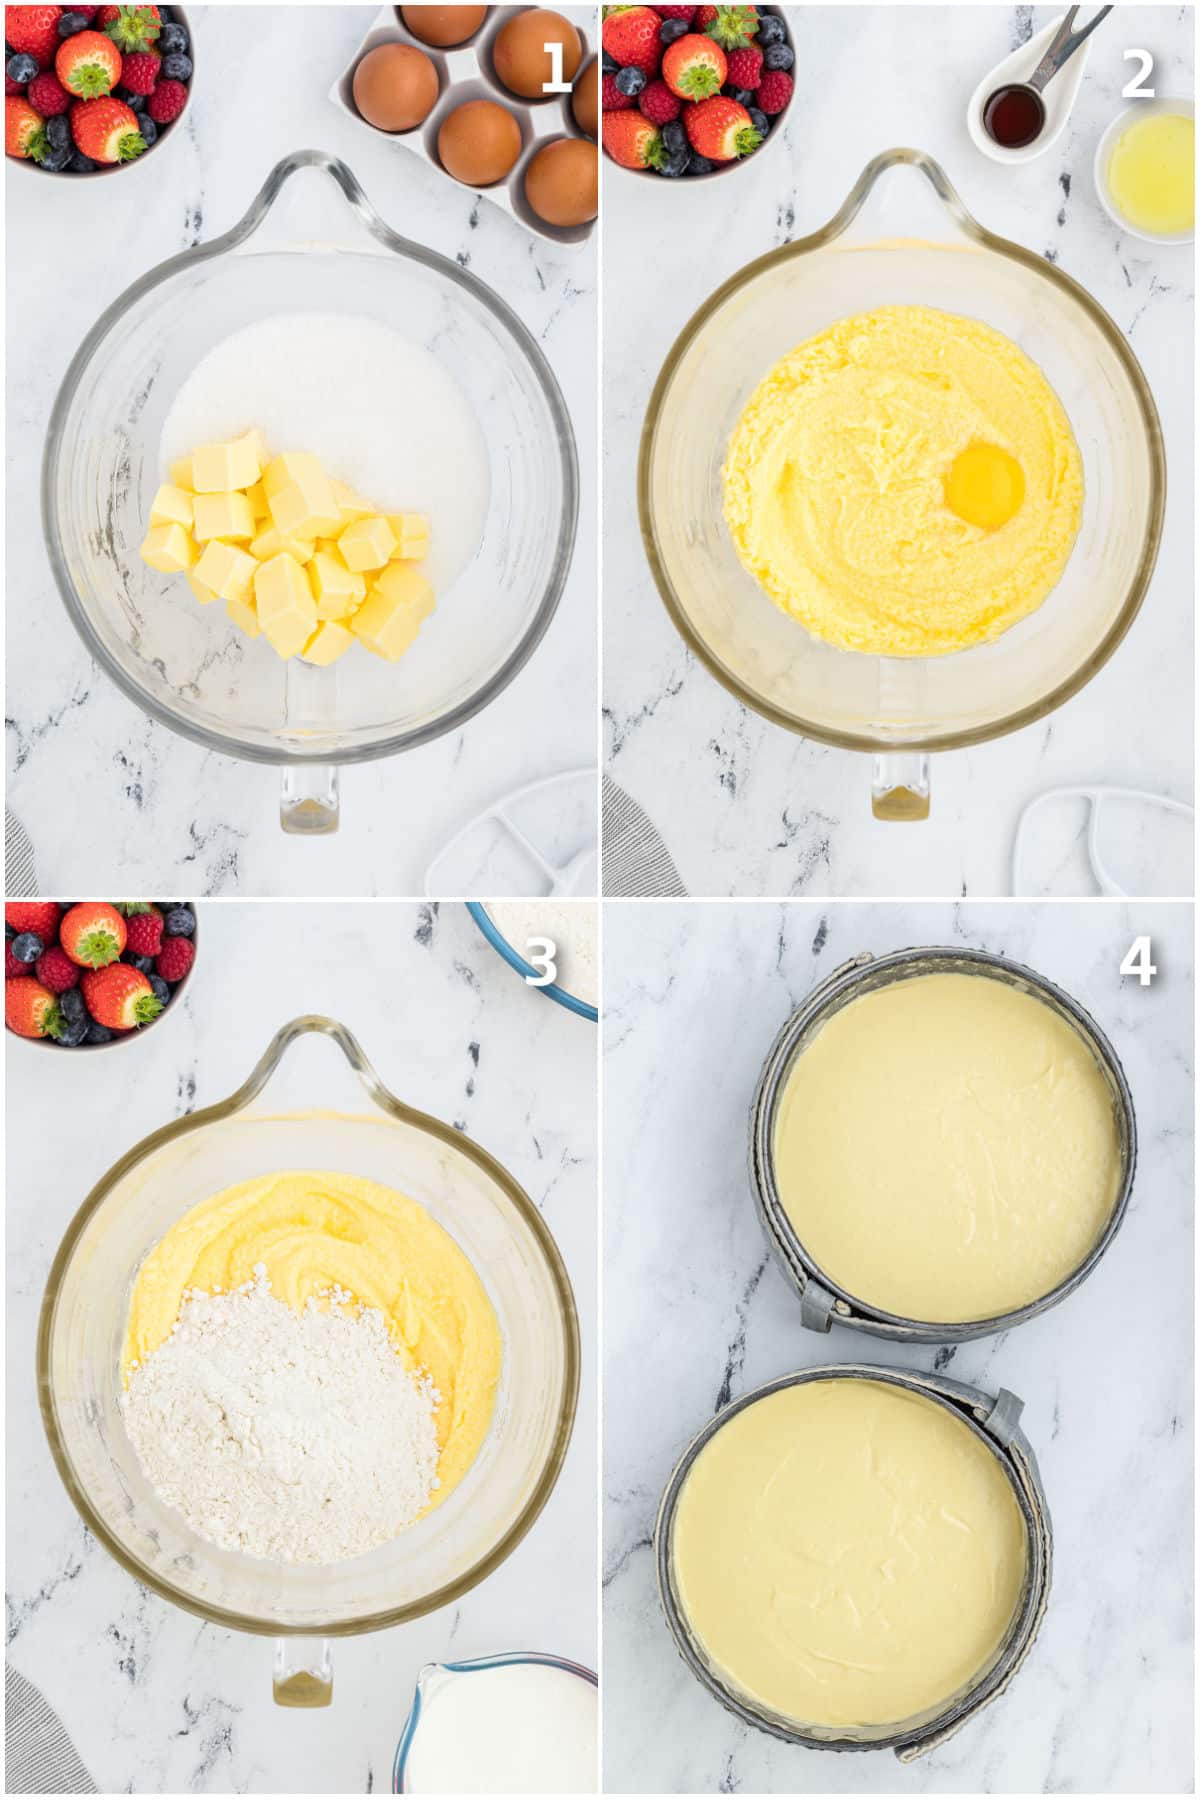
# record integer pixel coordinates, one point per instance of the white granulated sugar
(571, 927)
(298, 1436)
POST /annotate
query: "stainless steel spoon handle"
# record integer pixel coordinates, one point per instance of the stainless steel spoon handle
(1063, 45)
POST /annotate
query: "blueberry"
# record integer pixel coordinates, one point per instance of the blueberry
(177, 68)
(58, 131)
(98, 1034)
(135, 102)
(676, 164)
(27, 946)
(161, 989)
(74, 1032)
(180, 922)
(71, 1006)
(771, 29)
(630, 82)
(777, 56)
(81, 164)
(670, 29)
(609, 64)
(759, 120)
(674, 137)
(56, 158)
(170, 39)
(21, 68)
(143, 963)
(743, 96)
(700, 165)
(147, 129)
(10, 931)
(70, 24)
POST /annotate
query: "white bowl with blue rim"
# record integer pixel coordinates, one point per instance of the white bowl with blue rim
(524, 968)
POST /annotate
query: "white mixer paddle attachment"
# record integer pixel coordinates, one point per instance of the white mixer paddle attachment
(1095, 796)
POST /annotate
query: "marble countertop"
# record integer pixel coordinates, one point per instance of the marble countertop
(158, 1701)
(744, 807)
(696, 1313)
(99, 786)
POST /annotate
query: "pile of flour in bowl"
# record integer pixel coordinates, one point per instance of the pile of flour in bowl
(571, 927)
(298, 1436)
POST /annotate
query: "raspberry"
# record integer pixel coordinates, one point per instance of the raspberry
(167, 102)
(48, 96)
(658, 104)
(139, 72)
(704, 17)
(745, 67)
(773, 92)
(56, 971)
(175, 958)
(144, 933)
(611, 97)
(677, 12)
(13, 966)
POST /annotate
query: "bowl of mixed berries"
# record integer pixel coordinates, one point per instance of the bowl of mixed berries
(86, 974)
(692, 91)
(90, 89)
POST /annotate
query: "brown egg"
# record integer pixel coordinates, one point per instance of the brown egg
(521, 60)
(395, 87)
(443, 26)
(479, 142)
(562, 183)
(585, 101)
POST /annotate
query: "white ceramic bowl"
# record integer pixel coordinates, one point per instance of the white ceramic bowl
(1143, 109)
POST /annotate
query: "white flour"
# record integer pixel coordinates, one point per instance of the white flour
(570, 924)
(300, 1437)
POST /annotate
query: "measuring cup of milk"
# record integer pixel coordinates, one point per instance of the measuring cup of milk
(516, 1724)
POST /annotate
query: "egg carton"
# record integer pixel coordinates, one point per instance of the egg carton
(466, 73)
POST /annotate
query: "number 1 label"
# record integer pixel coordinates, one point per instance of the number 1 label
(556, 84)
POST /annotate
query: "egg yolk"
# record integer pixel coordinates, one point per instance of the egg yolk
(985, 486)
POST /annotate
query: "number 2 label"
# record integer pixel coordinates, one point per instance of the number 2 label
(542, 952)
(1133, 89)
(1137, 961)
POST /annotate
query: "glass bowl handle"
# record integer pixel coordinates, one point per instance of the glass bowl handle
(308, 798)
(900, 787)
(303, 1672)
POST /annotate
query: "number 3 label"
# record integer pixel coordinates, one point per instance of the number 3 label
(1133, 89)
(541, 952)
(1137, 961)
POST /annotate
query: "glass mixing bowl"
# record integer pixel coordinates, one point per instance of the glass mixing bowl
(300, 250)
(871, 255)
(82, 1327)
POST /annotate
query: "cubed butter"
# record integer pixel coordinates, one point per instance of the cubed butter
(222, 516)
(283, 601)
(172, 506)
(390, 617)
(411, 532)
(294, 467)
(181, 474)
(350, 504)
(257, 496)
(224, 468)
(227, 569)
(169, 549)
(203, 594)
(367, 544)
(305, 511)
(329, 641)
(258, 443)
(244, 616)
(271, 543)
(336, 589)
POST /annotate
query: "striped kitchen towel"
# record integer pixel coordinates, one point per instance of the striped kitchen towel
(637, 864)
(39, 1757)
(20, 872)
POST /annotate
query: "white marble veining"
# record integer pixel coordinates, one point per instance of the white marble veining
(744, 807)
(158, 1701)
(100, 787)
(696, 1313)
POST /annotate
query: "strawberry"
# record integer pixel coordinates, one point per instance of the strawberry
(657, 103)
(56, 971)
(167, 102)
(694, 67)
(774, 91)
(720, 129)
(631, 38)
(120, 997)
(88, 65)
(632, 140)
(93, 933)
(745, 68)
(107, 130)
(23, 133)
(731, 26)
(611, 97)
(33, 29)
(686, 13)
(703, 18)
(38, 916)
(143, 933)
(47, 95)
(30, 1009)
(175, 958)
(129, 27)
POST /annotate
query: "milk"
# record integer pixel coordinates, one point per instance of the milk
(384, 415)
(520, 1728)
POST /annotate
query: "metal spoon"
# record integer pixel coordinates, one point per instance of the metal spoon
(1063, 45)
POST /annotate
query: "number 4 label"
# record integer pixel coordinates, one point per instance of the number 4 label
(1137, 961)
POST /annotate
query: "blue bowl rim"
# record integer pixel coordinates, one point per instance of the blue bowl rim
(495, 937)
